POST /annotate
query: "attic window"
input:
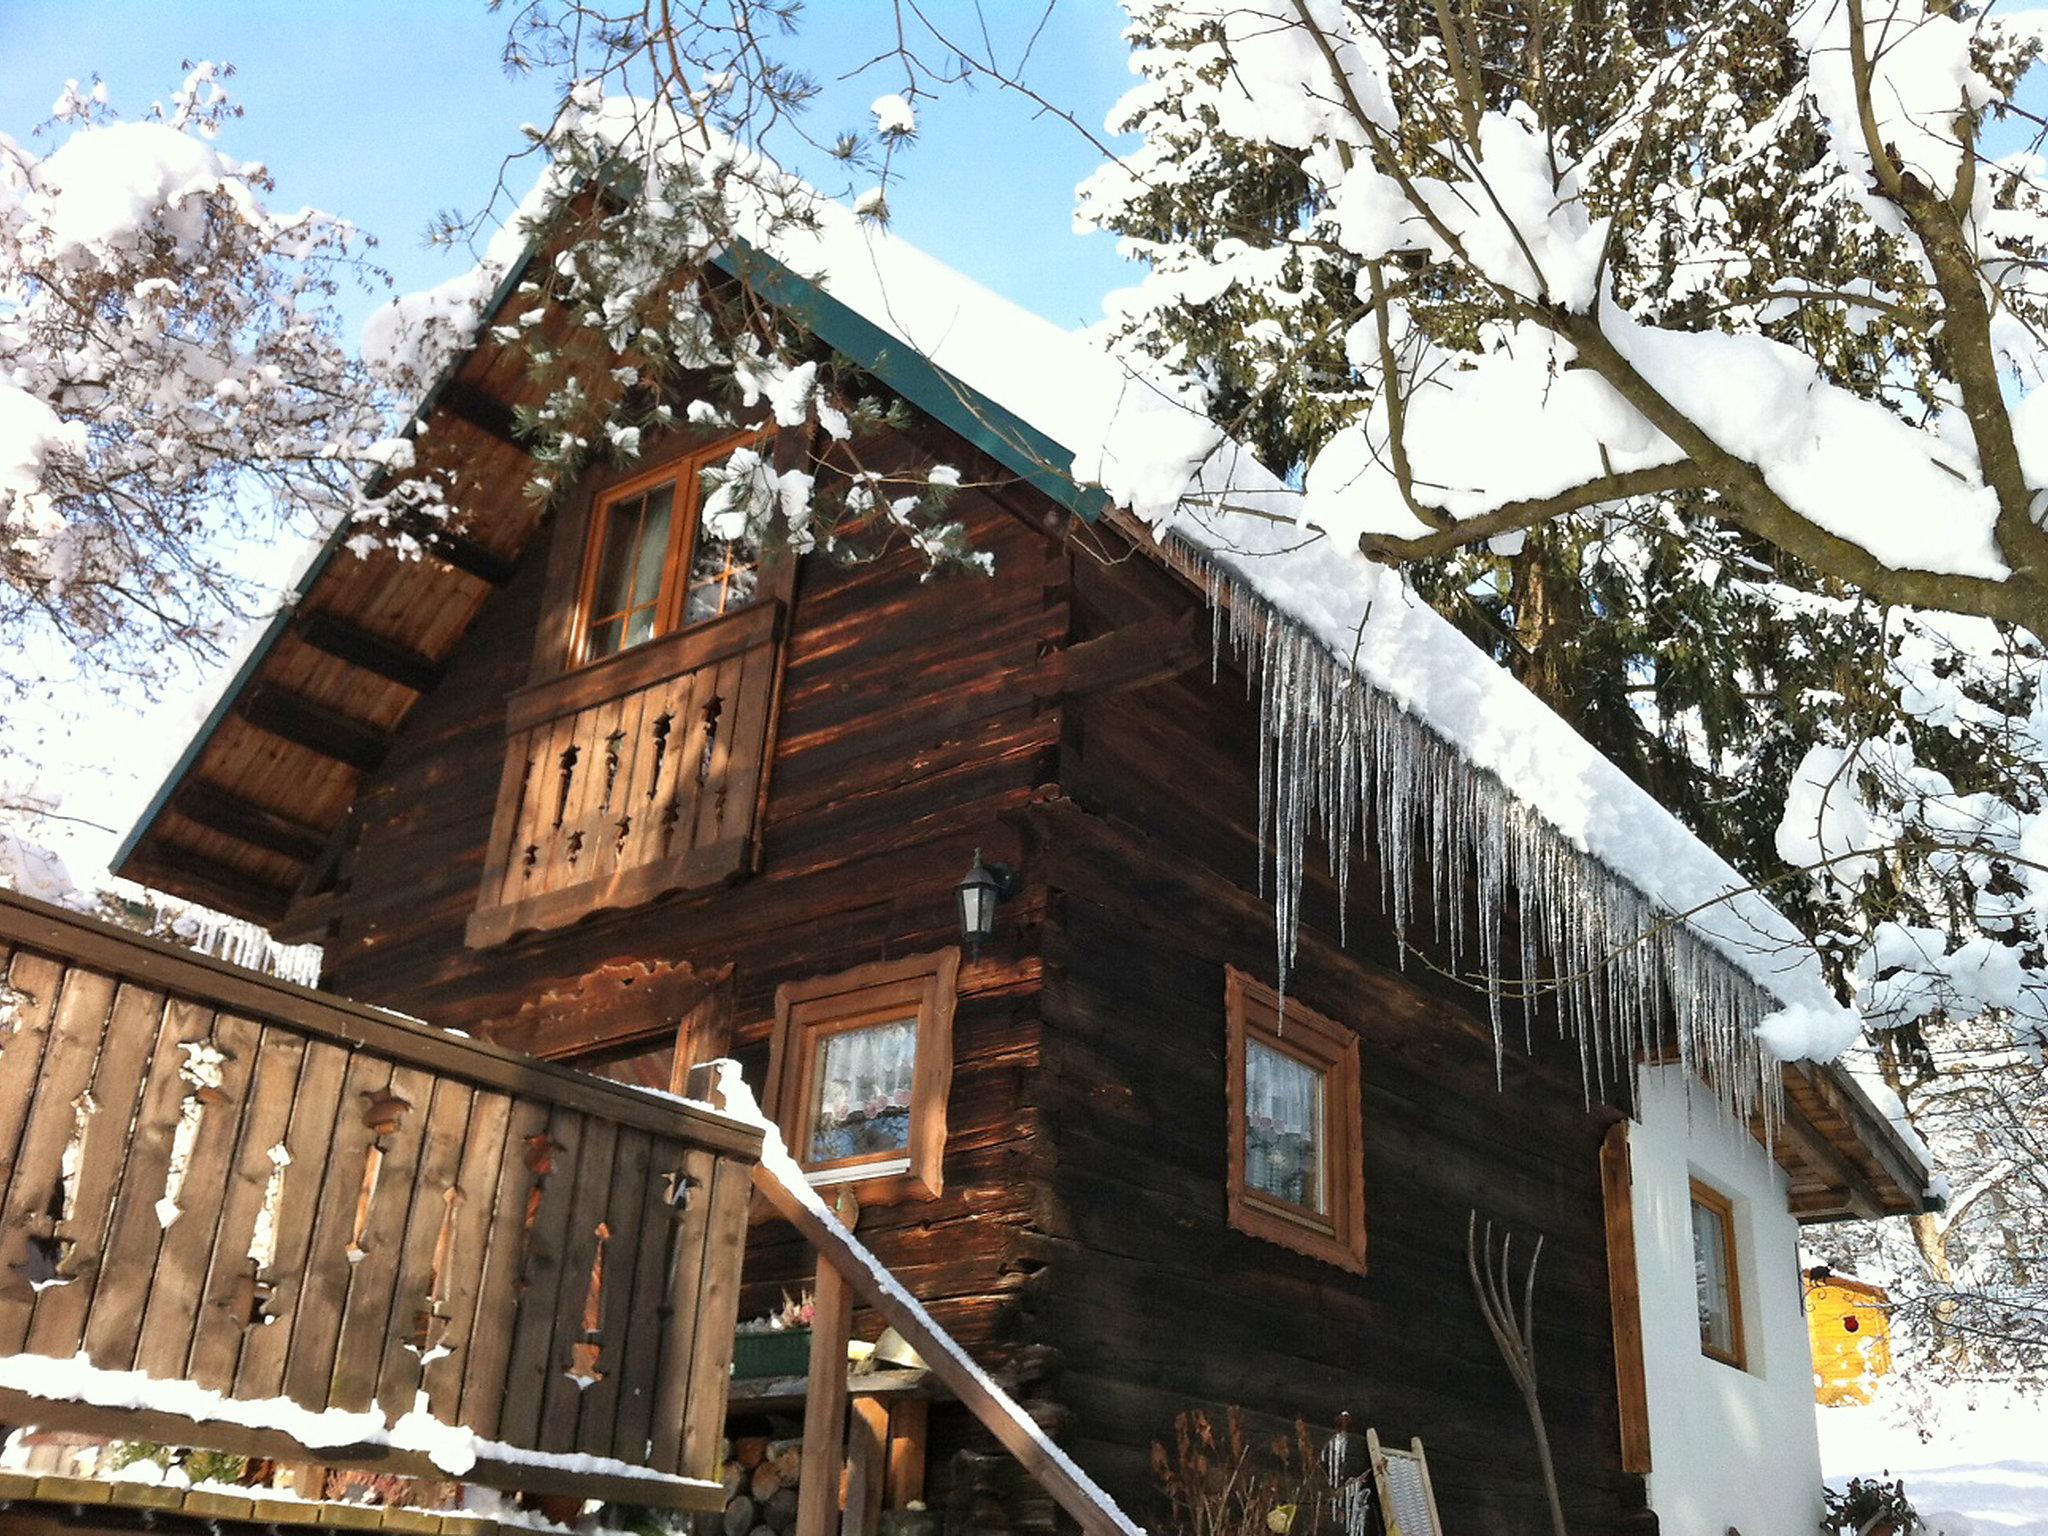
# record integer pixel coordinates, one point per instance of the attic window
(860, 1069)
(1296, 1175)
(653, 563)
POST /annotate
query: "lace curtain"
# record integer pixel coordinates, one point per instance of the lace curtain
(1283, 1111)
(862, 1105)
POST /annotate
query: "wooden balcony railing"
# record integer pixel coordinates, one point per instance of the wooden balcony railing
(635, 775)
(330, 1217)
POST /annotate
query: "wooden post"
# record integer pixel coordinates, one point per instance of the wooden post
(825, 1396)
(867, 1457)
(908, 1417)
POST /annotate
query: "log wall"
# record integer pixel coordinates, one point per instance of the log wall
(1151, 865)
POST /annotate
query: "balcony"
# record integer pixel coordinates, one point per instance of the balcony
(240, 1214)
(632, 776)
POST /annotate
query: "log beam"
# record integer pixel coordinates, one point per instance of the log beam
(1135, 656)
(458, 551)
(481, 409)
(315, 727)
(217, 810)
(359, 647)
(169, 867)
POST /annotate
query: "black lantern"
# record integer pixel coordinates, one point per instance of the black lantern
(985, 885)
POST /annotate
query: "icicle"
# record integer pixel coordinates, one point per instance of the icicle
(1337, 754)
(246, 945)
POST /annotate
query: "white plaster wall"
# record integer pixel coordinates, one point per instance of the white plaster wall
(1728, 1448)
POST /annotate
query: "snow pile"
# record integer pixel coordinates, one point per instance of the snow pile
(1976, 1463)
(453, 1448)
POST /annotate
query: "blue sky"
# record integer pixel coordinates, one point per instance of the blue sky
(388, 111)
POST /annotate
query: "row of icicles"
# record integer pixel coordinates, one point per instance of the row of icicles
(1338, 754)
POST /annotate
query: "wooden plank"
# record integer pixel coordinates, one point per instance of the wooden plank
(639, 1361)
(506, 816)
(174, 969)
(314, 1321)
(632, 1224)
(170, 867)
(547, 1240)
(229, 1301)
(713, 777)
(474, 1387)
(718, 1310)
(1625, 1297)
(30, 999)
(183, 1257)
(316, 1106)
(673, 655)
(437, 1301)
(417, 1170)
(681, 1314)
(560, 1394)
(58, 1327)
(327, 631)
(817, 1509)
(35, 1195)
(134, 1234)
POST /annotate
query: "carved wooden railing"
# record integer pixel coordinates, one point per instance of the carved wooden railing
(635, 775)
(212, 1177)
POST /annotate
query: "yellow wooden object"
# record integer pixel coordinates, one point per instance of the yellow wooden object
(1850, 1324)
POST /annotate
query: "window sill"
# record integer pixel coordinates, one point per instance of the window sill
(1274, 1224)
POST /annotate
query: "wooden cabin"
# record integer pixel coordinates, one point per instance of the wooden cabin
(629, 825)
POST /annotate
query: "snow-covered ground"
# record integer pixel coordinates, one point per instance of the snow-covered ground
(1977, 1465)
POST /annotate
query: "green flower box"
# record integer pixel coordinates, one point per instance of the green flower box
(785, 1352)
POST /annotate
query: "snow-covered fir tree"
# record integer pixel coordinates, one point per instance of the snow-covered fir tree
(1655, 342)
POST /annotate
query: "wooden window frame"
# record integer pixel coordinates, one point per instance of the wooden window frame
(1723, 1210)
(1254, 1011)
(684, 470)
(811, 1011)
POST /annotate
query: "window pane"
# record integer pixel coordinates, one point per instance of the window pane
(861, 1105)
(723, 573)
(640, 625)
(635, 546)
(1283, 1132)
(653, 551)
(1712, 1269)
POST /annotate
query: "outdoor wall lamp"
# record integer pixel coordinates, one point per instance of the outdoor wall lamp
(984, 886)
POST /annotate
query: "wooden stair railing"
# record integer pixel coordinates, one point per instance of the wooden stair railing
(848, 1271)
(239, 1214)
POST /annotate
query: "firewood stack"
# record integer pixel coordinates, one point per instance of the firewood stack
(760, 1486)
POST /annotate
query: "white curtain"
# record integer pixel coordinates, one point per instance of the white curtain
(865, 1079)
(1283, 1110)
